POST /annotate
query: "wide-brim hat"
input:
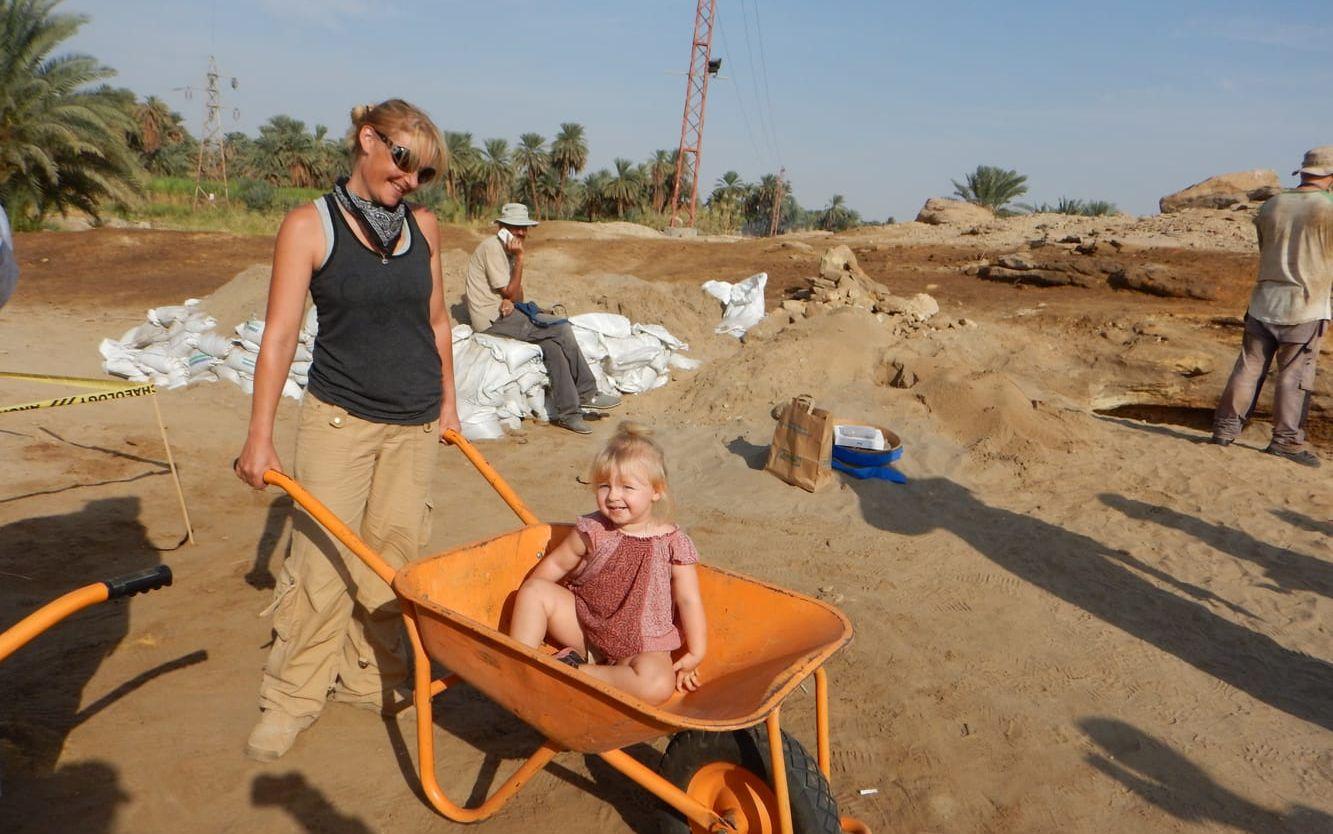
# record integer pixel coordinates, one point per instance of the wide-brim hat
(1318, 162)
(515, 214)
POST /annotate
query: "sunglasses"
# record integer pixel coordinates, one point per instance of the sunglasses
(406, 160)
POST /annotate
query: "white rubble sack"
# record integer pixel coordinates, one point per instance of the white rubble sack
(744, 303)
(499, 381)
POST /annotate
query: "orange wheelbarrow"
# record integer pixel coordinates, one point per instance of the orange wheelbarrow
(728, 767)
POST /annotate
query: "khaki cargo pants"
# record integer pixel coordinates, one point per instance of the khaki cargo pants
(337, 626)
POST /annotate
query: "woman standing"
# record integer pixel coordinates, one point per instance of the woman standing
(381, 393)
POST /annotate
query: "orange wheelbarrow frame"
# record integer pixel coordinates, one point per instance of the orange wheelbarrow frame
(592, 717)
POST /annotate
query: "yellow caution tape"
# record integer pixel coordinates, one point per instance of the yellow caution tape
(111, 390)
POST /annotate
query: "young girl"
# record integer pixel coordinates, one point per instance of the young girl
(610, 587)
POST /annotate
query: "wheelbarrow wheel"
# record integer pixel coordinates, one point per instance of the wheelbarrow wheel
(731, 773)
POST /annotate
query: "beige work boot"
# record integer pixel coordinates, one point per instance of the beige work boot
(274, 735)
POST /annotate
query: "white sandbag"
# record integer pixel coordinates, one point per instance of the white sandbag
(251, 331)
(303, 354)
(214, 344)
(291, 389)
(591, 344)
(166, 316)
(178, 377)
(200, 362)
(626, 354)
(482, 427)
(744, 303)
(243, 361)
(143, 335)
(227, 374)
(311, 323)
(638, 380)
(608, 324)
(662, 335)
(300, 368)
(157, 360)
(683, 363)
(200, 323)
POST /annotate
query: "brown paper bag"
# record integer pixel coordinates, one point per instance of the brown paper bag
(802, 449)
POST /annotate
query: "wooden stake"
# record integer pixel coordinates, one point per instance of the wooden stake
(175, 476)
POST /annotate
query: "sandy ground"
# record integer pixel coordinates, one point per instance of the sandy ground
(1068, 621)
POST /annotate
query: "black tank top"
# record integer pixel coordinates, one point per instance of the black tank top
(375, 351)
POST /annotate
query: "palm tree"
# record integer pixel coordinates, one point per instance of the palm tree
(569, 153)
(836, 216)
(728, 198)
(62, 144)
(625, 187)
(157, 125)
(287, 153)
(531, 158)
(595, 198)
(495, 171)
(991, 187)
(462, 163)
(661, 170)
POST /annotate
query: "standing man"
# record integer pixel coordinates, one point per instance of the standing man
(1289, 311)
(495, 287)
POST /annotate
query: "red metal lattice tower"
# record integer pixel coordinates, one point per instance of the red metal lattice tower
(692, 123)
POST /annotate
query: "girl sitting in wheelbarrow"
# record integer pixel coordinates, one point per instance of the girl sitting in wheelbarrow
(607, 593)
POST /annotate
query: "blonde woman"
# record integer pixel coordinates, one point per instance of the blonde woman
(381, 393)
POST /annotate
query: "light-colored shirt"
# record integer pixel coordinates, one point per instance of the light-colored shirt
(488, 272)
(1295, 258)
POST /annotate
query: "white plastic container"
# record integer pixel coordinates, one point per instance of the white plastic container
(859, 437)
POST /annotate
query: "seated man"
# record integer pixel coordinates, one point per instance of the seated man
(494, 286)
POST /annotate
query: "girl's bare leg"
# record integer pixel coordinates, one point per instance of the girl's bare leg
(542, 610)
(647, 676)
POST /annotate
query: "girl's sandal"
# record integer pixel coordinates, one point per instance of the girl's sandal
(569, 657)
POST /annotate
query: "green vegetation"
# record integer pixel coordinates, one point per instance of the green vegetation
(64, 144)
(1069, 205)
(992, 187)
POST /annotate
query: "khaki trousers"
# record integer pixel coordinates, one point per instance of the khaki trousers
(337, 625)
(1296, 348)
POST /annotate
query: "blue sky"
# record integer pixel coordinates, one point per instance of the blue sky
(883, 102)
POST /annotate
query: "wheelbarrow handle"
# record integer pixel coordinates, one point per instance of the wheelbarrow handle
(139, 582)
(17, 636)
(492, 477)
(332, 523)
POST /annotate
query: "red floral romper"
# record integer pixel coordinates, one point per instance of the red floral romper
(622, 592)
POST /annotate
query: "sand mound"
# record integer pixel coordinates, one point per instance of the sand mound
(572, 230)
(240, 299)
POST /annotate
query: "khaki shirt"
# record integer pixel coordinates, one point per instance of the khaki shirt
(488, 272)
(1295, 258)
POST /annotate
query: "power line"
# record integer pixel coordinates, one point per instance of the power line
(740, 102)
(749, 49)
(763, 62)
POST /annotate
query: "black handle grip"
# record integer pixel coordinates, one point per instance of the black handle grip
(138, 583)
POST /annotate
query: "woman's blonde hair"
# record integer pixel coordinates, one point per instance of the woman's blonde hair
(633, 447)
(426, 147)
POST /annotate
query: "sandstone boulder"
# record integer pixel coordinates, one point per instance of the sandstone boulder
(941, 211)
(1224, 190)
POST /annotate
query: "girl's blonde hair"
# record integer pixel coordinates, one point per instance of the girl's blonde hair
(426, 148)
(633, 447)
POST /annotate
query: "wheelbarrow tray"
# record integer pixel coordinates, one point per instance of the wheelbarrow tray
(762, 642)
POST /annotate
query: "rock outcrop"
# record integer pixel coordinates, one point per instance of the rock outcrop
(941, 211)
(1224, 191)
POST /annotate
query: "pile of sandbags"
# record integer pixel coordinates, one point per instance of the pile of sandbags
(163, 349)
(499, 381)
(179, 345)
(743, 303)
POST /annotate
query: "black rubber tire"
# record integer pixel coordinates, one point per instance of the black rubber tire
(813, 809)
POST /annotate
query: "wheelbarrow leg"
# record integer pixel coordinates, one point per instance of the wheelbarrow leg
(424, 688)
(779, 768)
(849, 824)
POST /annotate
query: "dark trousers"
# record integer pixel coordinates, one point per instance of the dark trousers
(1295, 347)
(572, 381)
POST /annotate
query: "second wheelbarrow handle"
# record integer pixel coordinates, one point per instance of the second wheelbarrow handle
(492, 477)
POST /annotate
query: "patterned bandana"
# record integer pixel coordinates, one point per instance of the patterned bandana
(387, 224)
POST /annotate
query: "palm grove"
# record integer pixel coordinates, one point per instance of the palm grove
(70, 141)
